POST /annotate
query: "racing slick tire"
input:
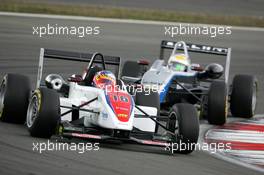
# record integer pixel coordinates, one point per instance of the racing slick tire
(184, 121)
(130, 69)
(217, 106)
(43, 115)
(133, 69)
(243, 96)
(15, 91)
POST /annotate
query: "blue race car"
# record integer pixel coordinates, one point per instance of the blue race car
(181, 81)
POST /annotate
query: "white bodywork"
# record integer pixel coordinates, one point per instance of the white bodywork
(104, 115)
(159, 76)
(198, 48)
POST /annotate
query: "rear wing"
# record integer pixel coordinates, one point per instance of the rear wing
(74, 56)
(199, 48)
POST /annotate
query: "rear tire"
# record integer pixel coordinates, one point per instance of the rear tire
(43, 114)
(130, 69)
(244, 96)
(133, 69)
(185, 117)
(217, 108)
(14, 97)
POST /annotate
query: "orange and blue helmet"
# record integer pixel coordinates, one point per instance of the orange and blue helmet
(104, 78)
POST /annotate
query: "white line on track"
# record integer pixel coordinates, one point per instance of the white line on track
(114, 20)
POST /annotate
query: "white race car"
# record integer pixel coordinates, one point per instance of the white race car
(95, 105)
(178, 80)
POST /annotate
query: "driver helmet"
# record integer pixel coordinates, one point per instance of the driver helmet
(104, 78)
(179, 62)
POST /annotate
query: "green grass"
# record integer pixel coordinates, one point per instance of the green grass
(126, 13)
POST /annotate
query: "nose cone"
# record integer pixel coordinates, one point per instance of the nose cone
(121, 104)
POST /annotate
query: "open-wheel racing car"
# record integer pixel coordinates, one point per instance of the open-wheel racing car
(95, 105)
(179, 81)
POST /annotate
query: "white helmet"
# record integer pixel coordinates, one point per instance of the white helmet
(179, 61)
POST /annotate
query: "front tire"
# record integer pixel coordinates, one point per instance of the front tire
(43, 114)
(243, 96)
(217, 108)
(184, 121)
(14, 97)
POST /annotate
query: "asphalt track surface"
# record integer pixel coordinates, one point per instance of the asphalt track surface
(19, 53)
(213, 7)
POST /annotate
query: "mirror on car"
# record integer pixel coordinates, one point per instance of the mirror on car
(196, 67)
(75, 78)
(214, 70)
